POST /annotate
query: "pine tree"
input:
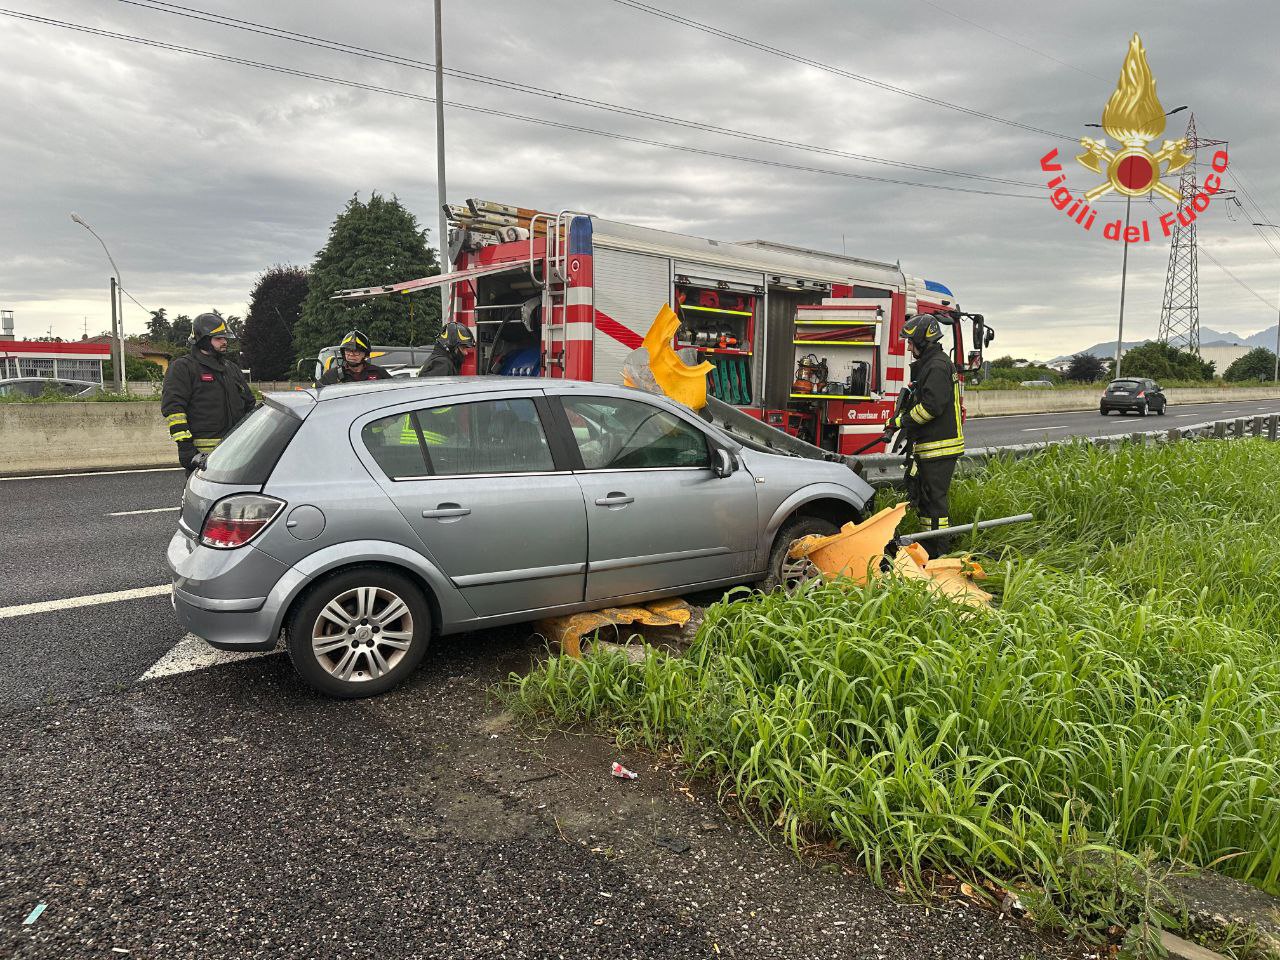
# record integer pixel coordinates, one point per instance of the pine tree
(274, 308)
(370, 243)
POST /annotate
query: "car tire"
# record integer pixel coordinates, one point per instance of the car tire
(789, 574)
(1142, 410)
(1103, 411)
(1162, 409)
(362, 658)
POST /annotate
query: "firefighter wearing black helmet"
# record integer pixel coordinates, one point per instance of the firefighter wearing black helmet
(449, 351)
(355, 366)
(931, 422)
(205, 394)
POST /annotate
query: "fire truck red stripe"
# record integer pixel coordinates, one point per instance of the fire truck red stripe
(624, 335)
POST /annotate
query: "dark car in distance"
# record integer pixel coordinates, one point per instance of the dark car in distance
(1133, 394)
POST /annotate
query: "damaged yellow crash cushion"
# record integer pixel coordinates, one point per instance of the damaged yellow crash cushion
(857, 552)
(678, 380)
(568, 631)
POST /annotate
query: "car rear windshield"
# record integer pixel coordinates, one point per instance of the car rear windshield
(1127, 384)
(251, 449)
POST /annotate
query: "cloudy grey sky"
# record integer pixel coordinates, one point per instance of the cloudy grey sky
(199, 174)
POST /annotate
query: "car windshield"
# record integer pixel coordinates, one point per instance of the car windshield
(251, 449)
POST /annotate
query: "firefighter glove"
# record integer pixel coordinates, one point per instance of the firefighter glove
(186, 453)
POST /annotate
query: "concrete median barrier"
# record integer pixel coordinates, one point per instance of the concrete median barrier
(1002, 403)
(65, 437)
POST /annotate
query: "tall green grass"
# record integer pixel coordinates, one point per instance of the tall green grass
(1124, 695)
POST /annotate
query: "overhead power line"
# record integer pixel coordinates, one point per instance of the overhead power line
(489, 111)
(1014, 40)
(1260, 298)
(831, 68)
(279, 33)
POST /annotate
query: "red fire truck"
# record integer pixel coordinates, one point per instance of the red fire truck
(802, 340)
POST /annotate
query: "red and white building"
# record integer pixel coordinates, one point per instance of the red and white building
(80, 361)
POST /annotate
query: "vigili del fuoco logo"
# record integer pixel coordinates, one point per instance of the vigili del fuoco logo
(1133, 118)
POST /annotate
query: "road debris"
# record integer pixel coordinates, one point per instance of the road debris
(622, 773)
(34, 915)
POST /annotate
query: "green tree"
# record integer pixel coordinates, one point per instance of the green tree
(1086, 368)
(135, 369)
(369, 244)
(159, 330)
(180, 328)
(274, 308)
(1159, 361)
(1258, 364)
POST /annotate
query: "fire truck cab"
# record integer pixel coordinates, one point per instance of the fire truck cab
(805, 341)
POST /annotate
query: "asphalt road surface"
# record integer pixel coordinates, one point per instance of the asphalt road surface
(1035, 427)
(162, 800)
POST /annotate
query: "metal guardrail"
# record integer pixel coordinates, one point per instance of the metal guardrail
(883, 469)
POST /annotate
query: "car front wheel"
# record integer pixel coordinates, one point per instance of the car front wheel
(784, 571)
(359, 633)
(1163, 406)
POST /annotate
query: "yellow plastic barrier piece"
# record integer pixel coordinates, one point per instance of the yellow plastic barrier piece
(857, 553)
(569, 631)
(674, 377)
(856, 550)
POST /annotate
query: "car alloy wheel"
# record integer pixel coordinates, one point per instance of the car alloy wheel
(359, 632)
(788, 572)
(362, 634)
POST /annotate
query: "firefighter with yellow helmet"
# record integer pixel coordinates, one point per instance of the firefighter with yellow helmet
(355, 366)
(204, 394)
(931, 422)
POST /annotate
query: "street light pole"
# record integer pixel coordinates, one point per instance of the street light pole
(117, 310)
(1124, 262)
(1124, 274)
(442, 194)
(1275, 375)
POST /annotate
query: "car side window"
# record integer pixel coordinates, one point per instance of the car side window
(488, 436)
(614, 433)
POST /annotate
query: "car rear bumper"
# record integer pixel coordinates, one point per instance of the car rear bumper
(231, 599)
(1123, 405)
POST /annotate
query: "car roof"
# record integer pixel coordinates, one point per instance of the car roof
(457, 387)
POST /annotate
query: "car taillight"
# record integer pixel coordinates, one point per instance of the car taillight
(234, 521)
(1142, 393)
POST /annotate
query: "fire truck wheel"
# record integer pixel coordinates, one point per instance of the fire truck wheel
(788, 573)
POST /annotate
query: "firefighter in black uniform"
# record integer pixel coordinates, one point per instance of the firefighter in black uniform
(205, 394)
(449, 350)
(355, 366)
(931, 423)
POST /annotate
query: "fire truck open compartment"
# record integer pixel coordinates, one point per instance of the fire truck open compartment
(718, 322)
(506, 315)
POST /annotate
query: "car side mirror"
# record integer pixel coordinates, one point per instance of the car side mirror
(723, 462)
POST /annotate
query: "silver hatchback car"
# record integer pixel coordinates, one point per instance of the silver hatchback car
(364, 520)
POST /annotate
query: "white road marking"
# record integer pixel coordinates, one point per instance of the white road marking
(1180, 416)
(191, 653)
(68, 603)
(1065, 426)
(131, 513)
(92, 473)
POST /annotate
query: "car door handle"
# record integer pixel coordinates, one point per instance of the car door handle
(446, 510)
(614, 499)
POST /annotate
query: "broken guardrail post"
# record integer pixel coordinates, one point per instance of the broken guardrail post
(1220, 430)
(1257, 426)
(1273, 427)
(1175, 435)
(1239, 428)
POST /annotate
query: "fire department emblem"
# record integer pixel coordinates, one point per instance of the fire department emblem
(1134, 117)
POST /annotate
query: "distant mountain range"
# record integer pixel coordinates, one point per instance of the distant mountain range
(1208, 337)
